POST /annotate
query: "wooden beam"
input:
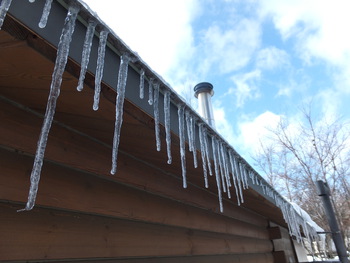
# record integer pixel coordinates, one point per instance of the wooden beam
(274, 233)
(49, 234)
(72, 190)
(73, 150)
(234, 258)
(279, 257)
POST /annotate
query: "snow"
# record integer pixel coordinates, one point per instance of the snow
(309, 226)
(85, 57)
(60, 64)
(4, 7)
(46, 13)
(99, 67)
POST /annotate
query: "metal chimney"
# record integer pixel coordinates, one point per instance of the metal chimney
(204, 91)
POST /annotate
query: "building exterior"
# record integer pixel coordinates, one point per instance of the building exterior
(149, 210)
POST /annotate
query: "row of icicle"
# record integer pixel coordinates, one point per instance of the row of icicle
(229, 170)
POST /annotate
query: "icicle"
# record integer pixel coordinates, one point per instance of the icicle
(182, 142)
(150, 91)
(225, 170)
(245, 170)
(252, 177)
(217, 173)
(99, 67)
(221, 166)
(194, 149)
(4, 7)
(203, 153)
(187, 118)
(142, 83)
(46, 13)
(156, 115)
(167, 124)
(206, 144)
(119, 104)
(60, 64)
(239, 179)
(234, 177)
(85, 56)
(243, 175)
(226, 164)
(191, 136)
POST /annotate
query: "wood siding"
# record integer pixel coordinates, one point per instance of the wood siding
(82, 213)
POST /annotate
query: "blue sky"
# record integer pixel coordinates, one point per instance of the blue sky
(265, 58)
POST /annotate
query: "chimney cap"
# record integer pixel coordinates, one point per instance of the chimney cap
(203, 87)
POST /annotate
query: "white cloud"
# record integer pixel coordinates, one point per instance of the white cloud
(271, 58)
(284, 91)
(252, 131)
(246, 87)
(160, 31)
(230, 49)
(319, 26)
(223, 126)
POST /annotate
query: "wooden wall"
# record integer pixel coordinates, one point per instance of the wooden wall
(82, 213)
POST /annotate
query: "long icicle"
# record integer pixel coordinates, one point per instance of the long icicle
(217, 172)
(156, 115)
(99, 67)
(239, 179)
(206, 144)
(225, 169)
(203, 153)
(142, 83)
(188, 126)
(221, 166)
(234, 176)
(225, 157)
(85, 56)
(181, 116)
(4, 7)
(150, 91)
(46, 13)
(194, 149)
(119, 105)
(167, 125)
(191, 136)
(60, 64)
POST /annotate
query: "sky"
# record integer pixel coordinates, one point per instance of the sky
(265, 58)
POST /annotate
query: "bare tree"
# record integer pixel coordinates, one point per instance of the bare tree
(295, 156)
